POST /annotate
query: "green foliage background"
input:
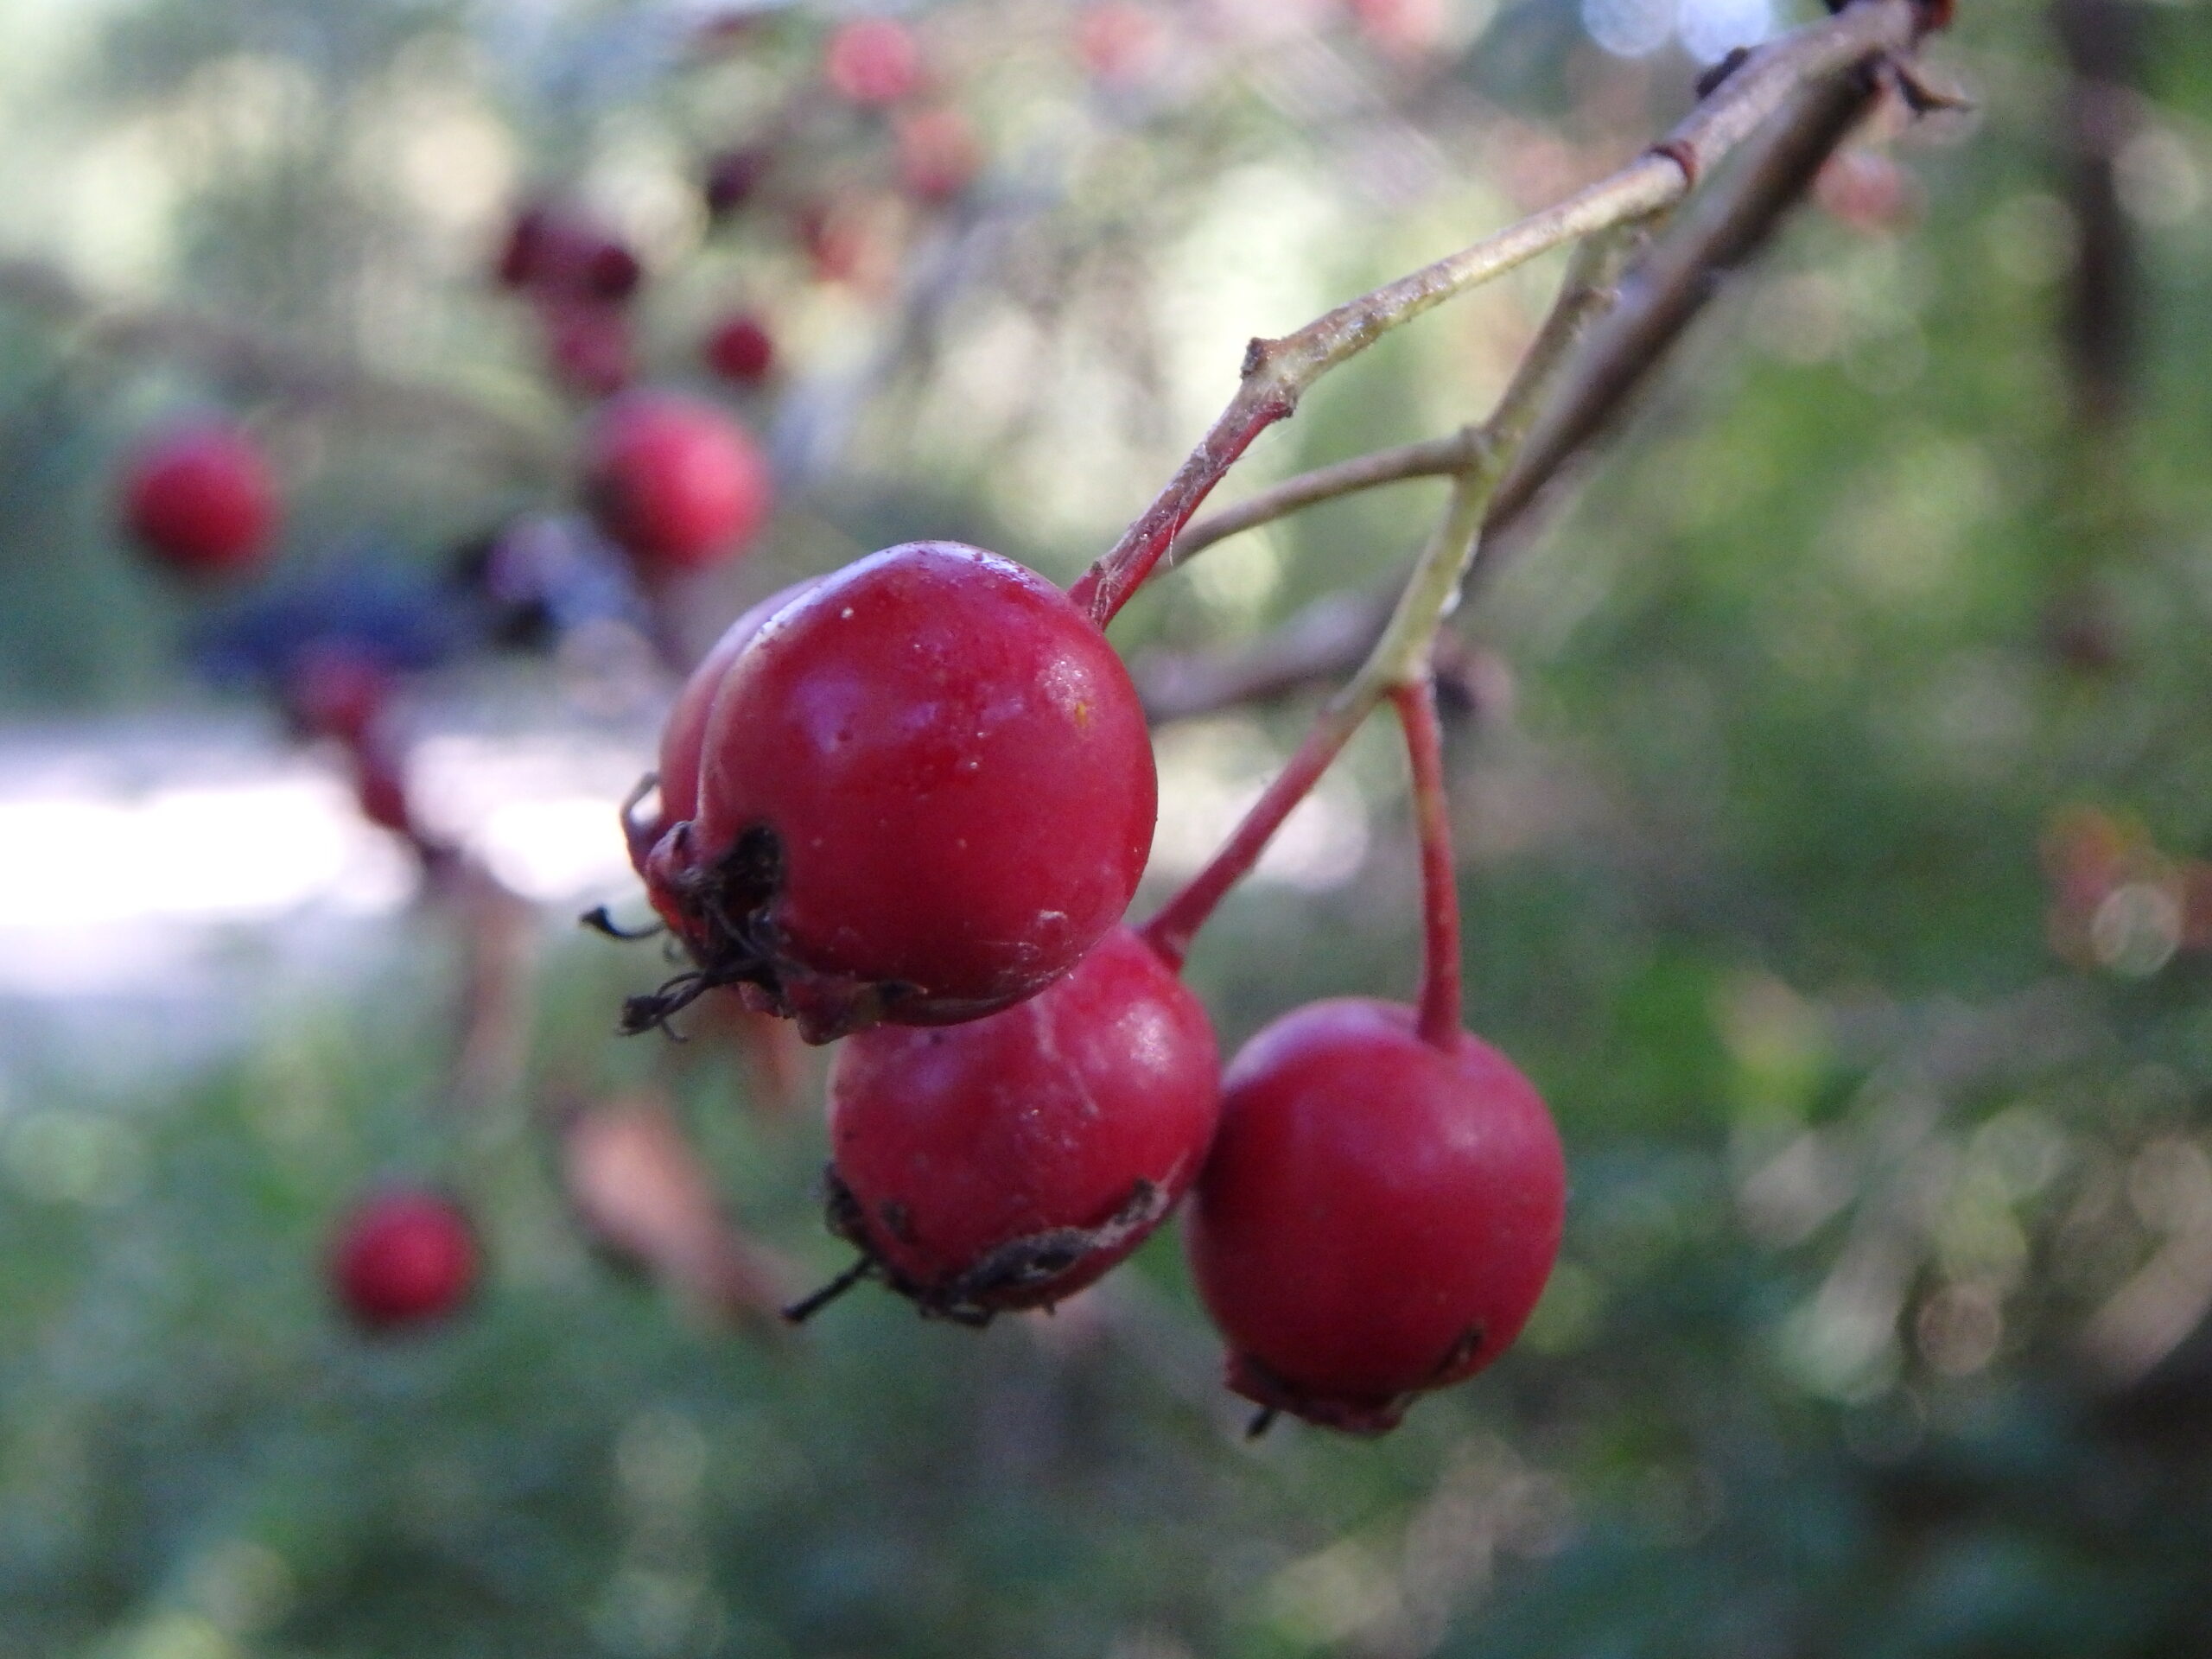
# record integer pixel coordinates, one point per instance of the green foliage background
(1862, 1169)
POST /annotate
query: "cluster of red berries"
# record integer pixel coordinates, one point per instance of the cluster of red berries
(906, 805)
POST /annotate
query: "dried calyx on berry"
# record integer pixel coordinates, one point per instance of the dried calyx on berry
(922, 789)
(1008, 1162)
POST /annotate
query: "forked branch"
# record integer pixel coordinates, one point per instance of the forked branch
(1278, 372)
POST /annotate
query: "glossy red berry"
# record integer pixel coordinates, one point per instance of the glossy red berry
(678, 484)
(926, 788)
(401, 1257)
(201, 500)
(741, 349)
(1379, 1216)
(1008, 1162)
(874, 61)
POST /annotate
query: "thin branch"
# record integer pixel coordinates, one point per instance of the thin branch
(1431, 458)
(1277, 373)
(1399, 657)
(285, 368)
(1660, 298)
(1440, 890)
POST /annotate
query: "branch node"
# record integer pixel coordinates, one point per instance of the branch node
(1709, 82)
(1683, 155)
(1920, 95)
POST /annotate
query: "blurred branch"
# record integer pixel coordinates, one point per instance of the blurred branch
(638, 1187)
(286, 369)
(1660, 297)
(1324, 641)
(2102, 42)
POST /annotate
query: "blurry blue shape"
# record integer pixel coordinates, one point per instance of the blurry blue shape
(393, 613)
(547, 574)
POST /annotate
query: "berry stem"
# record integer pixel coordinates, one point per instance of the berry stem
(1664, 292)
(1277, 373)
(1440, 892)
(1170, 932)
(1401, 655)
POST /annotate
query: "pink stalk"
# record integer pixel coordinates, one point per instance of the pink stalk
(1170, 932)
(1440, 893)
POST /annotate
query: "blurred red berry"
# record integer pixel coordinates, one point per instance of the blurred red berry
(675, 481)
(741, 350)
(201, 499)
(874, 61)
(836, 237)
(1864, 188)
(401, 1257)
(561, 252)
(1118, 41)
(1402, 28)
(938, 153)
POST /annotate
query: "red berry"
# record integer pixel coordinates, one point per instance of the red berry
(677, 483)
(741, 350)
(874, 61)
(1008, 1162)
(201, 500)
(926, 788)
(401, 1257)
(1379, 1216)
(938, 154)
